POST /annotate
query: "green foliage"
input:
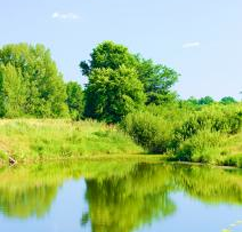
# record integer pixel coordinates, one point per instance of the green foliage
(206, 100)
(228, 100)
(30, 82)
(108, 55)
(112, 94)
(206, 134)
(158, 80)
(150, 131)
(213, 118)
(75, 100)
(192, 100)
(200, 147)
(109, 64)
(12, 92)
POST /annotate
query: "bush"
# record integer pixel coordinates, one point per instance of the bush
(233, 160)
(205, 135)
(226, 120)
(152, 132)
(201, 147)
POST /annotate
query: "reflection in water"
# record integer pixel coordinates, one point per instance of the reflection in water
(211, 185)
(124, 203)
(30, 191)
(122, 196)
(32, 201)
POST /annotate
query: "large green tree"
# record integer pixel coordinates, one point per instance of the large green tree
(30, 82)
(112, 94)
(108, 59)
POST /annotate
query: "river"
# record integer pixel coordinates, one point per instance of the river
(120, 197)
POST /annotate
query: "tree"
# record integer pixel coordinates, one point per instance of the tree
(108, 55)
(157, 80)
(227, 100)
(112, 94)
(12, 91)
(193, 101)
(74, 100)
(206, 100)
(43, 91)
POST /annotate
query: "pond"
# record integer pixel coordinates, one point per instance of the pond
(120, 197)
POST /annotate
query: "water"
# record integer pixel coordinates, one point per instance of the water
(120, 197)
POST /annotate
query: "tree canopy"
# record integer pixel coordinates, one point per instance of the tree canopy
(119, 83)
(157, 79)
(112, 94)
(108, 55)
(131, 80)
(207, 100)
(228, 100)
(30, 83)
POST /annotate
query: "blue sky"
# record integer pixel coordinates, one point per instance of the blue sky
(202, 39)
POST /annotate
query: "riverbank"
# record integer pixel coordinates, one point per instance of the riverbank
(29, 141)
(33, 140)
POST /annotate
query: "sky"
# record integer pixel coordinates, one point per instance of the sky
(200, 39)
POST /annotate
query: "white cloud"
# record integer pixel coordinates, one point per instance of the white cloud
(191, 45)
(65, 16)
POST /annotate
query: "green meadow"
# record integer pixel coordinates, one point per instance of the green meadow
(33, 140)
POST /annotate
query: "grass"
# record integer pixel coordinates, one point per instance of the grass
(46, 139)
(37, 140)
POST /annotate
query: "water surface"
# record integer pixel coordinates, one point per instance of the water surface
(120, 197)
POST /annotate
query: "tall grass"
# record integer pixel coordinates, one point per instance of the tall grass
(33, 139)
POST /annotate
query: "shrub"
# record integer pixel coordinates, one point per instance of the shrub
(200, 147)
(152, 132)
(233, 160)
(225, 120)
(201, 135)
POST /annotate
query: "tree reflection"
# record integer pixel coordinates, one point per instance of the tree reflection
(125, 203)
(122, 196)
(23, 204)
(30, 191)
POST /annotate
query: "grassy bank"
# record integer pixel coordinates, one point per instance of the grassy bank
(34, 140)
(209, 135)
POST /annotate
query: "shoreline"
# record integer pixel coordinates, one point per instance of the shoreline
(139, 158)
(33, 141)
